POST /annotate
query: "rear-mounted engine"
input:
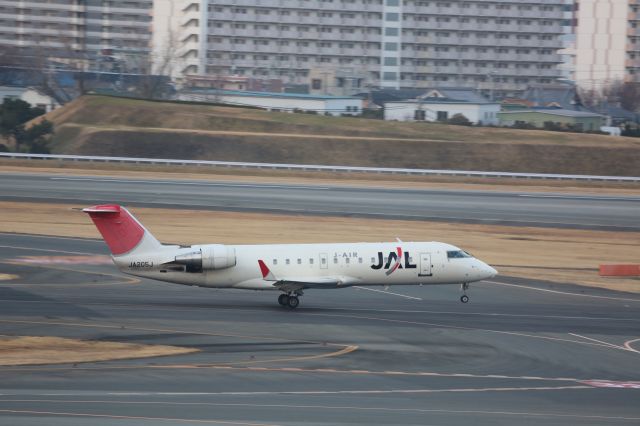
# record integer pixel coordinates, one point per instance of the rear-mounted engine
(211, 257)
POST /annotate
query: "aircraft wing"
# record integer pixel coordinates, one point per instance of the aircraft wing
(294, 284)
(288, 284)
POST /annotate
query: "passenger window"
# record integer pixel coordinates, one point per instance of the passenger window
(373, 260)
(335, 260)
(311, 261)
(287, 261)
(299, 261)
(275, 261)
(359, 260)
(347, 260)
(324, 260)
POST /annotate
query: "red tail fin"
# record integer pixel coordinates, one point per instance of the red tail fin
(120, 230)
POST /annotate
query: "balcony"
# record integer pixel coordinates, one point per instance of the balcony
(633, 63)
(188, 17)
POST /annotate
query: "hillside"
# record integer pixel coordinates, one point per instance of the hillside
(96, 125)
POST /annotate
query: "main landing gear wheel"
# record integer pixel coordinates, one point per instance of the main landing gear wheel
(293, 302)
(283, 299)
(464, 298)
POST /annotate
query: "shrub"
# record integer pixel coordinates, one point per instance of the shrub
(459, 120)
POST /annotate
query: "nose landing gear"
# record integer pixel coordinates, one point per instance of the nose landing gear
(464, 287)
(291, 300)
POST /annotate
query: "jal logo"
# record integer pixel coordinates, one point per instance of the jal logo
(396, 260)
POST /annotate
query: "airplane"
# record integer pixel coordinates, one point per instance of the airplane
(287, 268)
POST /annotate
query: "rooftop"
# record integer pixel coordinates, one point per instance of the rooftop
(554, 111)
(451, 95)
(266, 94)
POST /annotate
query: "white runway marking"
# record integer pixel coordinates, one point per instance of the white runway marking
(122, 417)
(45, 250)
(315, 392)
(563, 292)
(628, 343)
(386, 292)
(455, 327)
(382, 409)
(56, 237)
(229, 185)
(580, 197)
(611, 345)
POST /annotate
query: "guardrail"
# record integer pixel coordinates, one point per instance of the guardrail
(315, 168)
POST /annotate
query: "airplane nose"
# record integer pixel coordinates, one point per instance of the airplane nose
(490, 271)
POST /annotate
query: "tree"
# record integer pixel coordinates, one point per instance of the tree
(34, 138)
(14, 114)
(459, 120)
(626, 95)
(630, 97)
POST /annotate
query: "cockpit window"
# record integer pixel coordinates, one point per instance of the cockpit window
(457, 254)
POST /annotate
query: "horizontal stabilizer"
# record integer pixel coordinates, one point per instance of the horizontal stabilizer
(103, 209)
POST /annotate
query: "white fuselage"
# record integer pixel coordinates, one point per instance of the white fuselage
(402, 263)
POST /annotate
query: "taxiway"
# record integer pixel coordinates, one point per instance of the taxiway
(521, 352)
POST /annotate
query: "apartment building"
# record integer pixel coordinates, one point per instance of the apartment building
(607, 42)
(499, 46)
(80, 28)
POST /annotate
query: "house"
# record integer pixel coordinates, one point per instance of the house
(32, 96)
(288, 102)
(233, 83)
(443, 104)
(556, 95)
(549, 117)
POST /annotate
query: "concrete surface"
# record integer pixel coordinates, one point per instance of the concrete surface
(521, 352)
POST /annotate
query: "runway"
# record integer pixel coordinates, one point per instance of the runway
(521, 352)
(614, 213)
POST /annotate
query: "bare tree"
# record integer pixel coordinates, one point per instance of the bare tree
(630, 97)
(617, 93)
(157, 67)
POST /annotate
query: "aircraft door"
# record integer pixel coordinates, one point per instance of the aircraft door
(324, 261)
(425, 265)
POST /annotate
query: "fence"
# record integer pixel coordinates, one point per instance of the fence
(314, 168)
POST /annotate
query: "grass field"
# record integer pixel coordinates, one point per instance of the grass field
(97, 125)
(34, 350)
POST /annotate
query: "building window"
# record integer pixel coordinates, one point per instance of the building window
(391, 61)
(316, 84)
(391, 31)
(391, 46)
(419, 115)
(390, 76)
(443, 115)
(392, 17)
